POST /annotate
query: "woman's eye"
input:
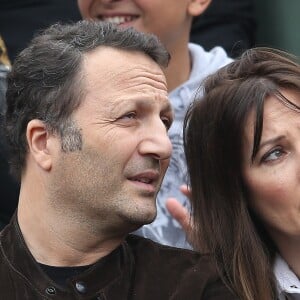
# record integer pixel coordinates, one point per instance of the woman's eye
(273, 155)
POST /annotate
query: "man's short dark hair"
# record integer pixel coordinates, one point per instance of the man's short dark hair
(45, 79)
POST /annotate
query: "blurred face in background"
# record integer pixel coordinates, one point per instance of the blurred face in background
(170, 20)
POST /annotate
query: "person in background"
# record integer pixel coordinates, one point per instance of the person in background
(243, 155)
(20, 20)
(87, 119)
(8, 186)
(171, 21)
(227, 23)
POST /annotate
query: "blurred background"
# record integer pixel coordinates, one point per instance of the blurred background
(274, 23)
(278, 24)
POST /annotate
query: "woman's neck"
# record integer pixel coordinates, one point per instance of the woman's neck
(289, 249)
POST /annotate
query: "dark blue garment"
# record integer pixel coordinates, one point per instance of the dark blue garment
(21, 19)
(227, 23)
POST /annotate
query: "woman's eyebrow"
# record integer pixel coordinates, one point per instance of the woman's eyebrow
(271, 141)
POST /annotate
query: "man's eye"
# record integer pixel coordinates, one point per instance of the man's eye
(167, 122)
(131, 115)
(273, 155)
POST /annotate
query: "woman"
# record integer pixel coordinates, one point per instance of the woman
(242, 143)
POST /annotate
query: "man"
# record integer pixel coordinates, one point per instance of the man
(171, 21)
(87, 119)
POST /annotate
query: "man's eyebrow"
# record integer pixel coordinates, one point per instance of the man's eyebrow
(144, 103)
(167, 107)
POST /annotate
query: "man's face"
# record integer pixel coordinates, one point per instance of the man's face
(168, 19)
(125, 152)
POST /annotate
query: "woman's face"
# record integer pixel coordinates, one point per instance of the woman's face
(273, 178)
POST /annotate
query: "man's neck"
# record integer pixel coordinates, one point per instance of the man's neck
(59, 240)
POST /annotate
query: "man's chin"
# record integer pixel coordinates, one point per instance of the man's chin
(141, 220)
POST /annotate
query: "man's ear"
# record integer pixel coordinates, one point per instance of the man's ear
(197, 7)
(38, 143)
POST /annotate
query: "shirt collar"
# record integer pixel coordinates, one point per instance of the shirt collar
(286, 280)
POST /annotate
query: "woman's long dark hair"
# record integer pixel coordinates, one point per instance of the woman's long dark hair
(213, 135)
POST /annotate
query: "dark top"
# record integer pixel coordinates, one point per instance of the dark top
(9, 188)
(139, 270)
(227, 23)
(21, 19)
(60, 275)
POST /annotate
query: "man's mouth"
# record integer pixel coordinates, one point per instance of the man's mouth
(118, 20)
(146, 180)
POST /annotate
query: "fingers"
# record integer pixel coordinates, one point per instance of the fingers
(179, 213)
(185, 190)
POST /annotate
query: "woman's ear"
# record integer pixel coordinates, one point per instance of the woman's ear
(38, 143)
(197, 7)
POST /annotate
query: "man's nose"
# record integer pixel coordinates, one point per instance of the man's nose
(156, 142)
